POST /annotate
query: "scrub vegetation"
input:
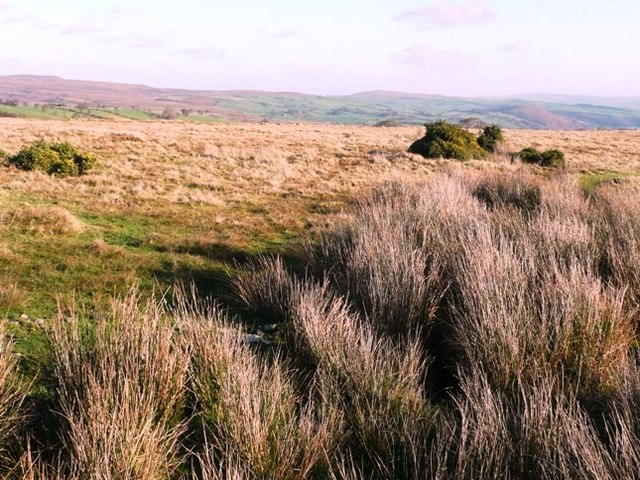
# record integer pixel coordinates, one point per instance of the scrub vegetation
(449, 140)
(61, 159)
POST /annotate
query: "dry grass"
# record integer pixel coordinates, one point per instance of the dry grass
(375, 382)
(38, 220)
(191, 191)
(11, 398)
(121, 384)
(223, 166)
(182, 163)
(477, 322)
(255, 421)
(533, 317)
(521, 311)
(584, 150)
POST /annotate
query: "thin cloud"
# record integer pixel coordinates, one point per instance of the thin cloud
(81, 29)
(97, 22)
(426, 56)
(117, 12)
(208, 52)
(139, 41)
(30, 21)
(445, 13)
(4, 7)
(136, 41)
(515, 48)
(15, 20)
(285, 34)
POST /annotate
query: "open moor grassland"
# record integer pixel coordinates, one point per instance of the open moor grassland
(178, 201)
(417, 319)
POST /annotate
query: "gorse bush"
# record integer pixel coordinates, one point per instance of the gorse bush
(490, 137)
(548, 158)
(447, 140)
(530, 155)
(61, 159)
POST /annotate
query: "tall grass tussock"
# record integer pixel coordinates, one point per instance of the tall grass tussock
(12, 396)
(476, 325)
(506, 299)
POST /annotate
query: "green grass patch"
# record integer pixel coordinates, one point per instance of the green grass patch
(591, 180)
(131, 114)
(34, 112)
(58, 112)
(113, 251)
(203, 119)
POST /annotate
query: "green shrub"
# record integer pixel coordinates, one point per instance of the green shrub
(447, 140)
(61, 159)
(530, 155)
(3, 156)
(490, 137)
(552, 158)
(548, 158)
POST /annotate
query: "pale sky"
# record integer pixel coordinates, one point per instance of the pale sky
(448, 47)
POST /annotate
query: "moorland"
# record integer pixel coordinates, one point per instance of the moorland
(263, 300)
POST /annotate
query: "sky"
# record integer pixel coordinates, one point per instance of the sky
(332, 47)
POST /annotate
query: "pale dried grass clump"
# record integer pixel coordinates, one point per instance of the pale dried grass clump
(378, 263)
(44, 220)
(12, 396)
(265, 286)
(519, 323)
(373, 380)
(534, 432)
(508, 190)
(5, 251)
(121, 387)
(255, 421)
(528, 314)
(617, 230)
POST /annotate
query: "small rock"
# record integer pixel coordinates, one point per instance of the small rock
(24, 316)
(268, 328)
(40, 322)
(252, 338)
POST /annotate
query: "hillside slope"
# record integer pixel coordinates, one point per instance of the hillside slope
(534, 112)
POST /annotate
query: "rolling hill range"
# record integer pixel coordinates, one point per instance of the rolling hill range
(51, 97)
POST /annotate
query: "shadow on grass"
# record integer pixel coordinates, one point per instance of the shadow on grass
(216, 282)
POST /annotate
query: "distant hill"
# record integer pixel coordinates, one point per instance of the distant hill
(620, 102)
(54, 96)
